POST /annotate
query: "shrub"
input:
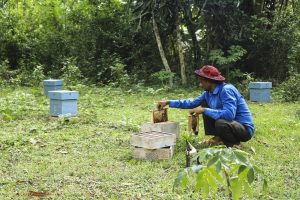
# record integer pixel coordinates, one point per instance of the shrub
(118, 73)
(164, 76)
(5, 74)
(226, 63)
(289, 90)
(71, 74)
(226, 168)
(31, 73)
(37, 75)
(242, 81)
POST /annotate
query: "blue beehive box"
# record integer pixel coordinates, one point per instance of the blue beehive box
(63, 102)
(51, 85)
(260, 91)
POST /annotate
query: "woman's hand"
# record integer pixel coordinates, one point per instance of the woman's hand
(198, 110)
(161, 104)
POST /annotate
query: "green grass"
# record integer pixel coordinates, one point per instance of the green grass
(90, 156)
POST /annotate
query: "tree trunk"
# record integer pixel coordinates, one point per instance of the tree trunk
(191, 29)
(180, 53)
(161, 50)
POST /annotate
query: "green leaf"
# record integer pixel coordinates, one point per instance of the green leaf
(210, 151)
(216, 175)
(226, 157)
(181, 179)
(236, 188)
(211, 181)
(250, 175)
(200, 180)
(204, 154)
(241, 169)
(202, 183)
(224, 163)
(218, 166)
(241, 158)
(194, 157)
(247, 188)
(241, 152)
(234, 168)
(196, 168)
(213, 160)
(184, 182)
(205, 187)
(243, 175)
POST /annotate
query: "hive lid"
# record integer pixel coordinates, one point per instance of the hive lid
(52, 82)
(260, 85)
(63, 94)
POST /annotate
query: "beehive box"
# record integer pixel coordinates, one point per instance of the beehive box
(63, 102)
(51, 85)
(260, 91)
(167, 127)
(153, 140)
(153, 154)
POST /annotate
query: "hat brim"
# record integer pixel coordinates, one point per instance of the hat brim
(215, 78)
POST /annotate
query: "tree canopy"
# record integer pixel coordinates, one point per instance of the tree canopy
(113, 40)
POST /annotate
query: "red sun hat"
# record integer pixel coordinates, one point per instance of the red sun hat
(210, 72)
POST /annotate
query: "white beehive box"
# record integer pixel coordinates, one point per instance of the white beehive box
(167, 127)
(153, 140)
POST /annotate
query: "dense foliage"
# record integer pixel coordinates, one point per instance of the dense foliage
(105, 41)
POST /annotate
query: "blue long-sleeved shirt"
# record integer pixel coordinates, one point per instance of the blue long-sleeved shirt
(224, 103)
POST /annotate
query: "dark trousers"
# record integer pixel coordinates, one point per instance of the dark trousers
(231, 132)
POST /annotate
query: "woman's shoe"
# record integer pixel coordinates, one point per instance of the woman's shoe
(237, 146)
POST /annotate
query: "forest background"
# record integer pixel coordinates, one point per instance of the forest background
(150, 42)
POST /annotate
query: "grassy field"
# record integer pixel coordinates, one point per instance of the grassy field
(89, 156)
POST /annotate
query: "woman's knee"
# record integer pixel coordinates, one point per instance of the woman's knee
(220, 123)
